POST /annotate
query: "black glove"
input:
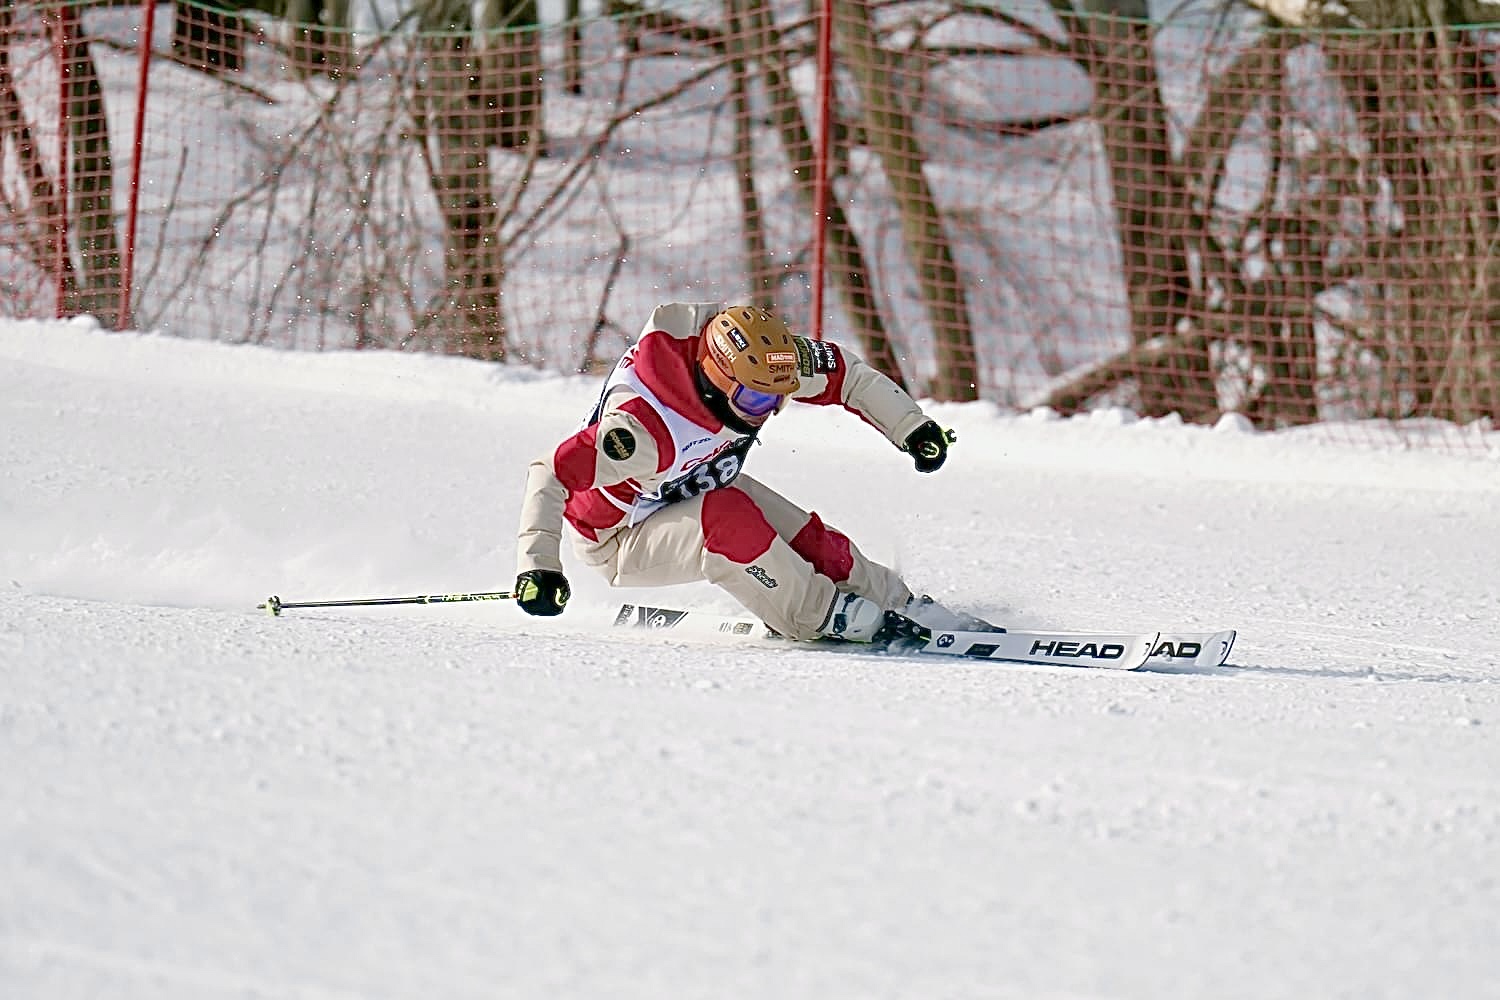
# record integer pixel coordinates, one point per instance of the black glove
(542, 592)
(928, 446)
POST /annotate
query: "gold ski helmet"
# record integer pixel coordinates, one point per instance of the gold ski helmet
(749, 361)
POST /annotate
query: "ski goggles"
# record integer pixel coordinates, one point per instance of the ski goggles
(752, 402)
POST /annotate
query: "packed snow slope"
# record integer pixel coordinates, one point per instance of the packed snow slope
(198, 800)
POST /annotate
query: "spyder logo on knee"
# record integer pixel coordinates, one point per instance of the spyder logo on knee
(761, 575)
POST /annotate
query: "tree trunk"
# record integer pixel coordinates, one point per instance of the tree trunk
(1422, 93)
(208, 37)
(573, 47)
(41, 227)
(507, 80)
(91, 179)
(1149, 211)
(469, 315)
(759, 267)
(320, 36)
(891, 131)
(1271, 307)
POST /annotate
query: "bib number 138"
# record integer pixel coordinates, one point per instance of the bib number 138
(711, 475)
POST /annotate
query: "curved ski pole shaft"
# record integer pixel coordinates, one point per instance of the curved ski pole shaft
(275, 605)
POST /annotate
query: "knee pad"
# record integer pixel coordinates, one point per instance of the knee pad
(830, 552)
(733, 527)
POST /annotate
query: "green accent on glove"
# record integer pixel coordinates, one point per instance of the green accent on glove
(542, 592)
(928, 446)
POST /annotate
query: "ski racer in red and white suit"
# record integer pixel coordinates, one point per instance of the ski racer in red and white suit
(653, 490)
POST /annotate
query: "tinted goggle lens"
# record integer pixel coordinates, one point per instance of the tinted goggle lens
(753, 403)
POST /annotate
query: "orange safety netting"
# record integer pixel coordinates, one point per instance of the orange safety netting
(1218, 213)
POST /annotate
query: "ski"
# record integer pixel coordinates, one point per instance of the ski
(1193, 649)
(1112, 651)
(1118, 651)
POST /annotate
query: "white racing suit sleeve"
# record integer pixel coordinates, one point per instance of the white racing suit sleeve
(681, 319)
(831, 376)
(539, 540)
(615, 449)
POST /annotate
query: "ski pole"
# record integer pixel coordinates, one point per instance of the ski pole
(276, 605)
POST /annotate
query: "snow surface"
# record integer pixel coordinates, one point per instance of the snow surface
(198, 800)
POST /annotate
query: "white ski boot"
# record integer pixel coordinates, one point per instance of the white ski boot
(853, 619)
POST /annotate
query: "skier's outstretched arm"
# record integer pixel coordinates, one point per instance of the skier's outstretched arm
(833, 376)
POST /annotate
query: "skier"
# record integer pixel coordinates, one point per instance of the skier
(652, 484)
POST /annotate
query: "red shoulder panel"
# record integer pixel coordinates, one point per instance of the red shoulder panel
(665, 366)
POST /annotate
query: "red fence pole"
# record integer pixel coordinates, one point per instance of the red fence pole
(820, 162)
(148, 26)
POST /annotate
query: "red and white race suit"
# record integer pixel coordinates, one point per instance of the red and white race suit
(652, 485)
